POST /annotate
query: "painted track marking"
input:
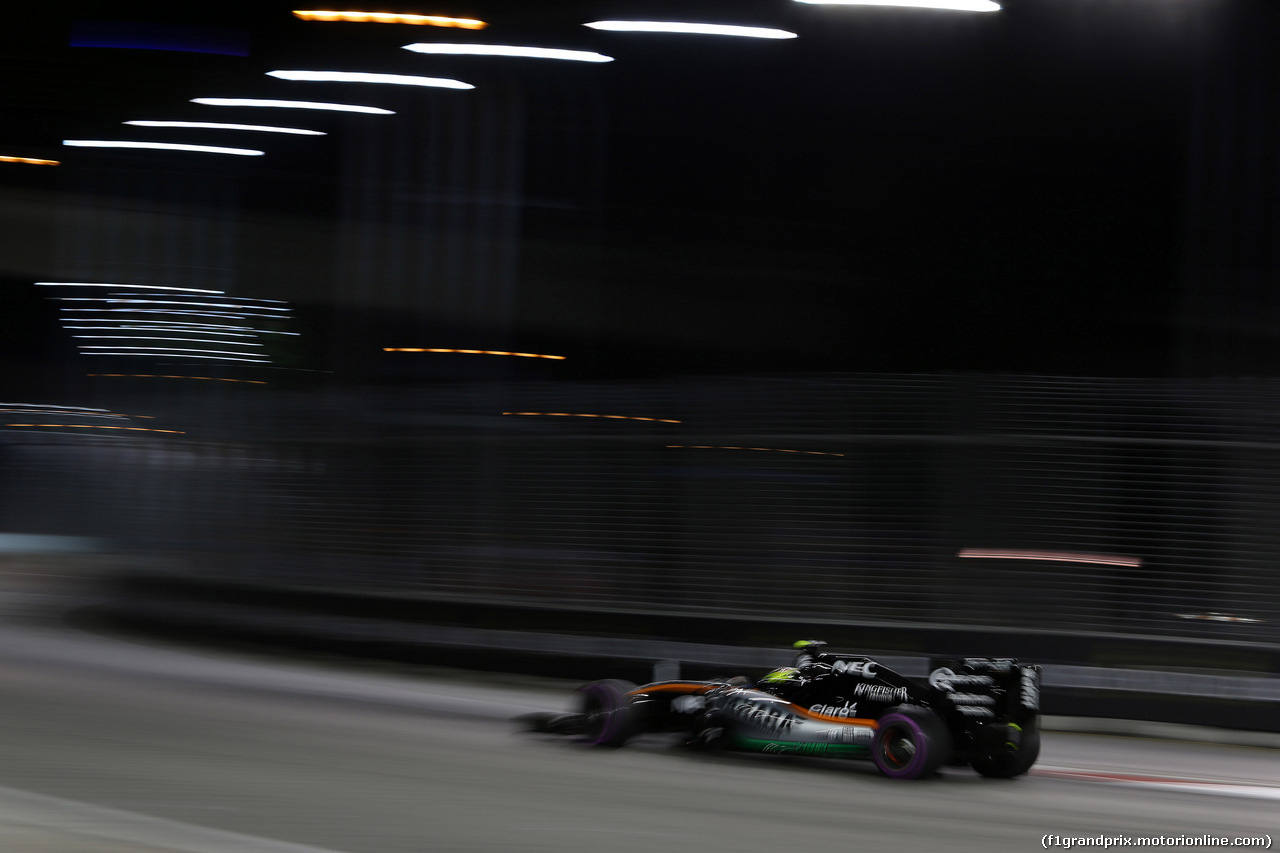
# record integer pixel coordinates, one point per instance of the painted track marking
(63, 817)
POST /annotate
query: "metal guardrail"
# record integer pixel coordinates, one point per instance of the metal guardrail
(1255, 688)
(1135, 506)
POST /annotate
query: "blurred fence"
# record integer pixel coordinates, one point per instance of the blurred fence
(1134, 506)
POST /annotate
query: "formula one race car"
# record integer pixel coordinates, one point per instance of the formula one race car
(983, 712)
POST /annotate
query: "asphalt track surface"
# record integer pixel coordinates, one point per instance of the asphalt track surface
(114, 746)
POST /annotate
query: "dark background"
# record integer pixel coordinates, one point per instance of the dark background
(1082, 188)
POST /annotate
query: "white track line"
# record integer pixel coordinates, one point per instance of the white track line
(1161, 783)
(70, 817)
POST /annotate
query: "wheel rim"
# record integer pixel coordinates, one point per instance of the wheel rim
(600, 715)
(898, 747)
(902, 749)
(597, 719)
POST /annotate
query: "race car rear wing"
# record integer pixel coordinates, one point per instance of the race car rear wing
(988, 689)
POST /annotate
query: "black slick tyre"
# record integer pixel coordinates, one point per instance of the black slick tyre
(608, 718)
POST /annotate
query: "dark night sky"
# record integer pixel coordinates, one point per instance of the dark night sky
(896, 190)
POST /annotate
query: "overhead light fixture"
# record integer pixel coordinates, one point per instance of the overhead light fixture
(509, 50)
(953, 5)
(366, 77)
(163, 146)
(215, 125)
(392, 18)
(693, 29)
(292, 105)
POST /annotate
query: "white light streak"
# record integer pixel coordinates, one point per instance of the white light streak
(187, 355)
(145, 286)
(223, 314)
(147, 338)
(55, 406)
(690, 28)
(292, 105)
(156, 329)
(215, 125)
(64, 410)
(953, 5)
(166, 302)
(1048, 556)
(166, 325)
(162, 146)
(508, 50)
(160, 349)
(366, 77)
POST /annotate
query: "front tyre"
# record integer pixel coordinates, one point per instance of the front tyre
(607, 715)
(1009, 762)
(910, 743)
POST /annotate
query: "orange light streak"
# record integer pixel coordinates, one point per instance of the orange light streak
(766, 449)
(578, 415)
(391, 18)
(97, 426)
(33, 161)
(473, 352)
(170, 376)
(1048, 556)
(30, 160)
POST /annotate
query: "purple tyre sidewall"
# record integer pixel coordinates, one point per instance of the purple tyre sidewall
(918, 761)
(610, 699)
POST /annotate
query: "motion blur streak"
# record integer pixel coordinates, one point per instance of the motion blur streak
(766, 449)
(99, 426)
(145, 286)
(160, 302)
(52, 406)
(291, 105)
(163, 146)
(574, 415)
(186, 353)
(153, 329)
(954, 5)
(368, 77)
(695, 29)
(509, 50)
(173, 376)
(473, 352)
(214, 125)
(1049, 556)
(221, 314)
(392, 18)
(149, 338)
(32, 161)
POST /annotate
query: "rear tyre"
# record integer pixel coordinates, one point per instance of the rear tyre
(607, 716)
(910, 743)
(1009, 762)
